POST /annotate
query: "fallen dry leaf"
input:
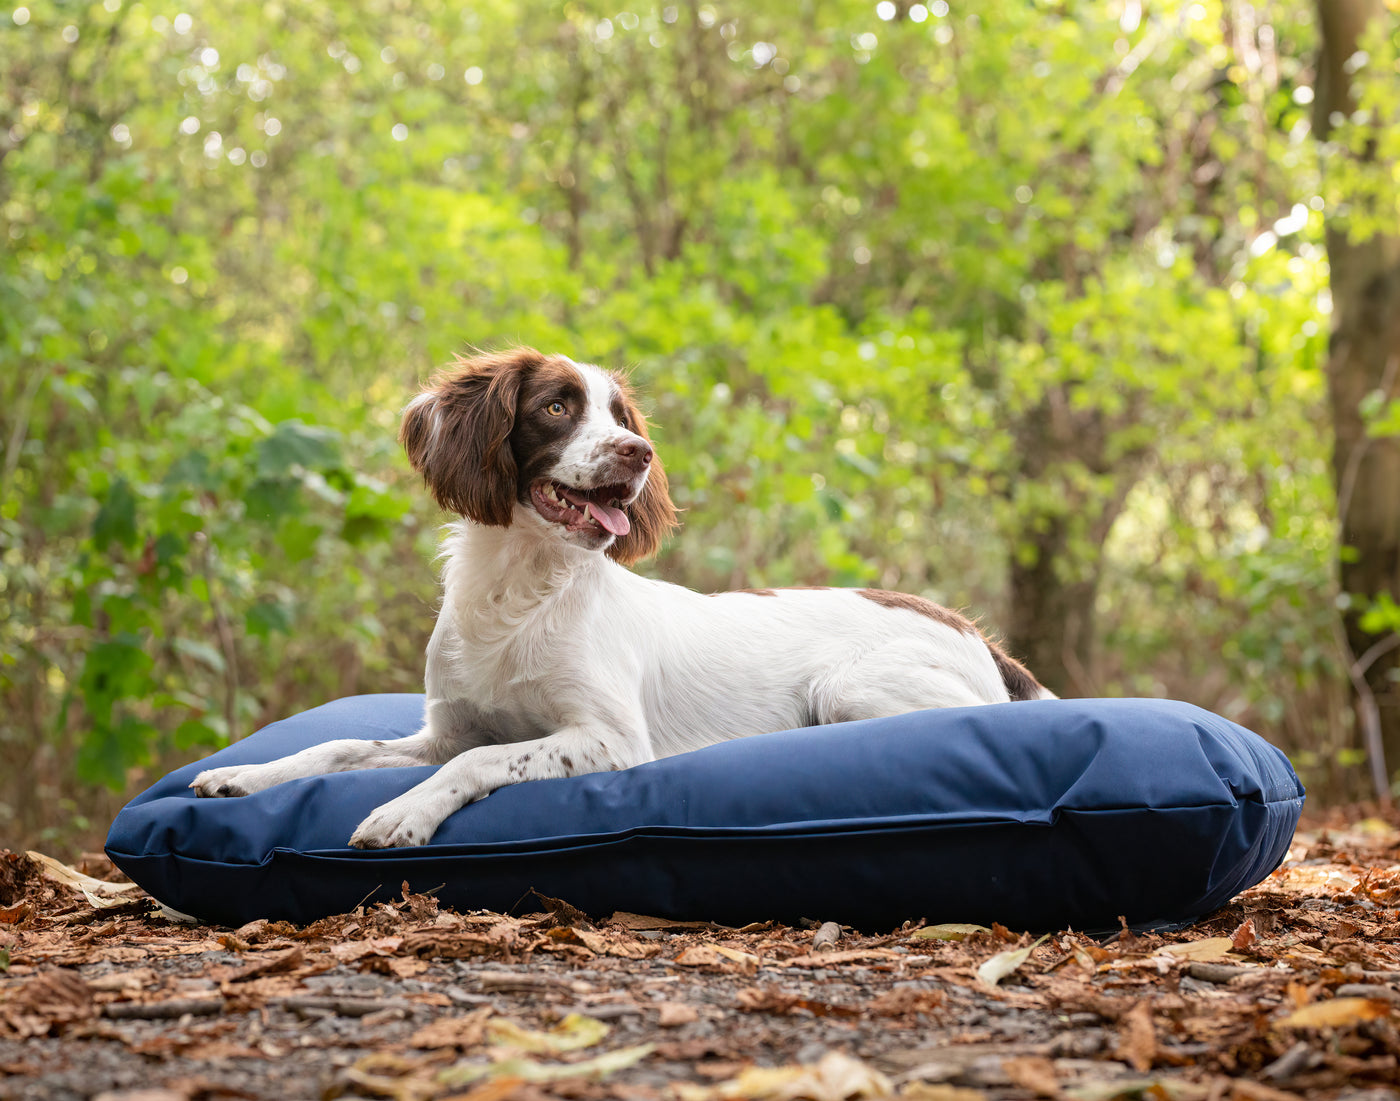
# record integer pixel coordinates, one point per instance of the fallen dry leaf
(1210, 950)
(948, 931)
(124, 982)
(1337, 1013)
(98, 892)
(675, 1014)
(1005, 963)
(1244, 1090)
(571, 1034)
(717, 955)
(1243, 937)
(277, 964)
(835, 1077)
(1137, 1039)
(1034, 1073)
(50, 999)
(579, 938)
(646, 923)
(358, 949)
(929, 1091)
(13, 915)
(770, 999)
(461, 1033)
(527, 1070)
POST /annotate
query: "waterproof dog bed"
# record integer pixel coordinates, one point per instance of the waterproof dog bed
(1040, 815)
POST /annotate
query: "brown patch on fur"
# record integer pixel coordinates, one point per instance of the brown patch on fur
(653, 514)
(751, 592)
(1020, 682)
(538, 437)
(918, 604)
(458, 440)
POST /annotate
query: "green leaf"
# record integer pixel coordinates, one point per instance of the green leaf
(116, 518)
(108, 751)
(201, 652)
(293, 444)
(190, 470)
(1382, 617)
(267, 616)
(198, 734)
(268, 499)
(297, 538)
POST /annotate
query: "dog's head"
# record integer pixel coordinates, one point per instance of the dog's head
(521, 436)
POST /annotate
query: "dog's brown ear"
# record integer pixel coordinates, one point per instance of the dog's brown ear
(652, 514)
(457, 434)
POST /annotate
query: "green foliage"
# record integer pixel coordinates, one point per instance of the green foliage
(911, 302)
(1363, 147)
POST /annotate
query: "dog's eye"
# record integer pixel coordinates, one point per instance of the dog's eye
(556, 409)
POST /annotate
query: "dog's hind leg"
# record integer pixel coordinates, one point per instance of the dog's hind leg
(337, 756)
(904, 677)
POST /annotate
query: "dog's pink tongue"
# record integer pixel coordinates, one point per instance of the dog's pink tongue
(609, 518)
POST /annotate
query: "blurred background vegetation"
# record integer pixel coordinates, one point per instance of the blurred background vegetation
(1022, 305)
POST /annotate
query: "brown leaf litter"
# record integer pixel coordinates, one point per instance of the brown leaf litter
(1290, 991)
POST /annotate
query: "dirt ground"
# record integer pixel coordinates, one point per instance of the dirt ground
(1293, 990)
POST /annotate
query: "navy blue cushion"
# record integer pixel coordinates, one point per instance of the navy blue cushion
(1039, 815)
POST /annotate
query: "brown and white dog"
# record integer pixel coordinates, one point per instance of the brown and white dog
(551, 659)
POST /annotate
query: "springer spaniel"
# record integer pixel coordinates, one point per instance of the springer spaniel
(550, 658)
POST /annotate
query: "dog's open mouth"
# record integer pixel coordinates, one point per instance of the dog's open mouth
(597, 510)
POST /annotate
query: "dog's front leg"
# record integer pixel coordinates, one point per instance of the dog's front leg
(337, 756)
(414, 816)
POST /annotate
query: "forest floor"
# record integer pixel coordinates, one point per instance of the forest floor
(1292, 990)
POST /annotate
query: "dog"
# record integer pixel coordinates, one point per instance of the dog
(550, 658)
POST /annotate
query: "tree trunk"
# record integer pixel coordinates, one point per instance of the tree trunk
(1363, 359)
(1051, 622)
(1051, 625)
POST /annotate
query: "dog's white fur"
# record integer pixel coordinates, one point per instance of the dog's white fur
(551, 659)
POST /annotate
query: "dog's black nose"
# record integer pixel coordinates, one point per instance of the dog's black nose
(635, 450)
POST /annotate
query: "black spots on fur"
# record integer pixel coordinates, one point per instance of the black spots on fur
(567, 762)
(377, 745)
(456, 791)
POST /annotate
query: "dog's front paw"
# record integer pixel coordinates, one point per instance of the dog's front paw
(233, 780)
(396, 825)
(222, 783)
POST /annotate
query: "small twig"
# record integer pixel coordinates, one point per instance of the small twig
(343, 1006)
(163, 1011)
(1218, 973)
(508, 981)
(20, 429)
(1299, 1057)
(825, 938)
(1376, 651)
(225, 634)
